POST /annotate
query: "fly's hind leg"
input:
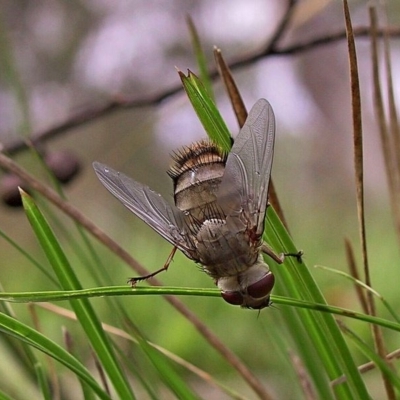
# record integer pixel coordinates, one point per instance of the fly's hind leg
(279, 258)
(134, 281)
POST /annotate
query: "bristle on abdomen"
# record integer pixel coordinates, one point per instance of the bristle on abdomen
(194, 156)
(197, 172)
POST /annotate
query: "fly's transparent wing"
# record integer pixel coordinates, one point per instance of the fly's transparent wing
(244, 186)
(148, 205)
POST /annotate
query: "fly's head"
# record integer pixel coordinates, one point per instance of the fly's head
(250, 289)
(197, 172)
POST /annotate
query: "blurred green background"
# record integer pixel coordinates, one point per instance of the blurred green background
(59, 58)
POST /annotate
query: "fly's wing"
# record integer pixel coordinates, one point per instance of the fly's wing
(244, 186)
(148, 205)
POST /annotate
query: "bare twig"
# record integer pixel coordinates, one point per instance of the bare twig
(281, 28)
(92, 113)
(394, 133)
(359, 172)
(351, 262)
(63, 312)
(303, 377)
(369, 366)
(241, 115)
(390, 170)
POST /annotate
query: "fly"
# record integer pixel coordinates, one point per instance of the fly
(220, 207)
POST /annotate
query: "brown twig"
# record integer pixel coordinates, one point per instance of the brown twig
(120, 333)
(281, 28)
(391, 171)
(91, 114)
(394, 134)
(351, 262)
(359, 178)
(369, 366)
(241, 116)
(303, 377)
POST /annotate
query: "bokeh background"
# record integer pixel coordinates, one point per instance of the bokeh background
(60, 58)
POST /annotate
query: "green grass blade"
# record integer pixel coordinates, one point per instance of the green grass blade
(371, 354)
(207, 111)
(366, 287)
(82, 308)
(4, 396)
(200, 58)
(43, 381)
(322, 328)
(26, 334)
(28, 257)
(47, 296)
(167, 373)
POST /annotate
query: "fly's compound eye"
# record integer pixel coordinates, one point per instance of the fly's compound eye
(261, 288)
(234, 298)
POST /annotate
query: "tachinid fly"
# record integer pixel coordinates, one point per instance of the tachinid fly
(220, 206)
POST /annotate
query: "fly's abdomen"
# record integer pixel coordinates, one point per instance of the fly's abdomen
(197, 173)
(224, 252)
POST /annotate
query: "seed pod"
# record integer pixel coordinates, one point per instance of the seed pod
(9, 192)
(64, 165)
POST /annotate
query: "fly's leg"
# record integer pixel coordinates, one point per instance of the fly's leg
(279, 258)
(133, 281)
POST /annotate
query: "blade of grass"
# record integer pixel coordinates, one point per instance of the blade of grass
(394, 129)
(4, 396)
(386, 142)
(241, 115)
(43, 382)
(28, 257)
(26, 334)
(20, 297)
(82, 308)
(382, 364)
(298, 283)
(359, 178)
(166, 372)
(200, 57)
(328, 355)
(206, 110)
(360, 284)
(194, 93)
(76, 215)
(26, 356)
(120, 333)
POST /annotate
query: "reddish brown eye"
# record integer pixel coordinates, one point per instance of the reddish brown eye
(262, 287)
(234, 298)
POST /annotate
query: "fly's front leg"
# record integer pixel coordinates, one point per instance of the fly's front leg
(133, 281)
(279, 258)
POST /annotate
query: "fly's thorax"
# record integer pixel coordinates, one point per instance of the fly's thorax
(250, 289)
(197, 172)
